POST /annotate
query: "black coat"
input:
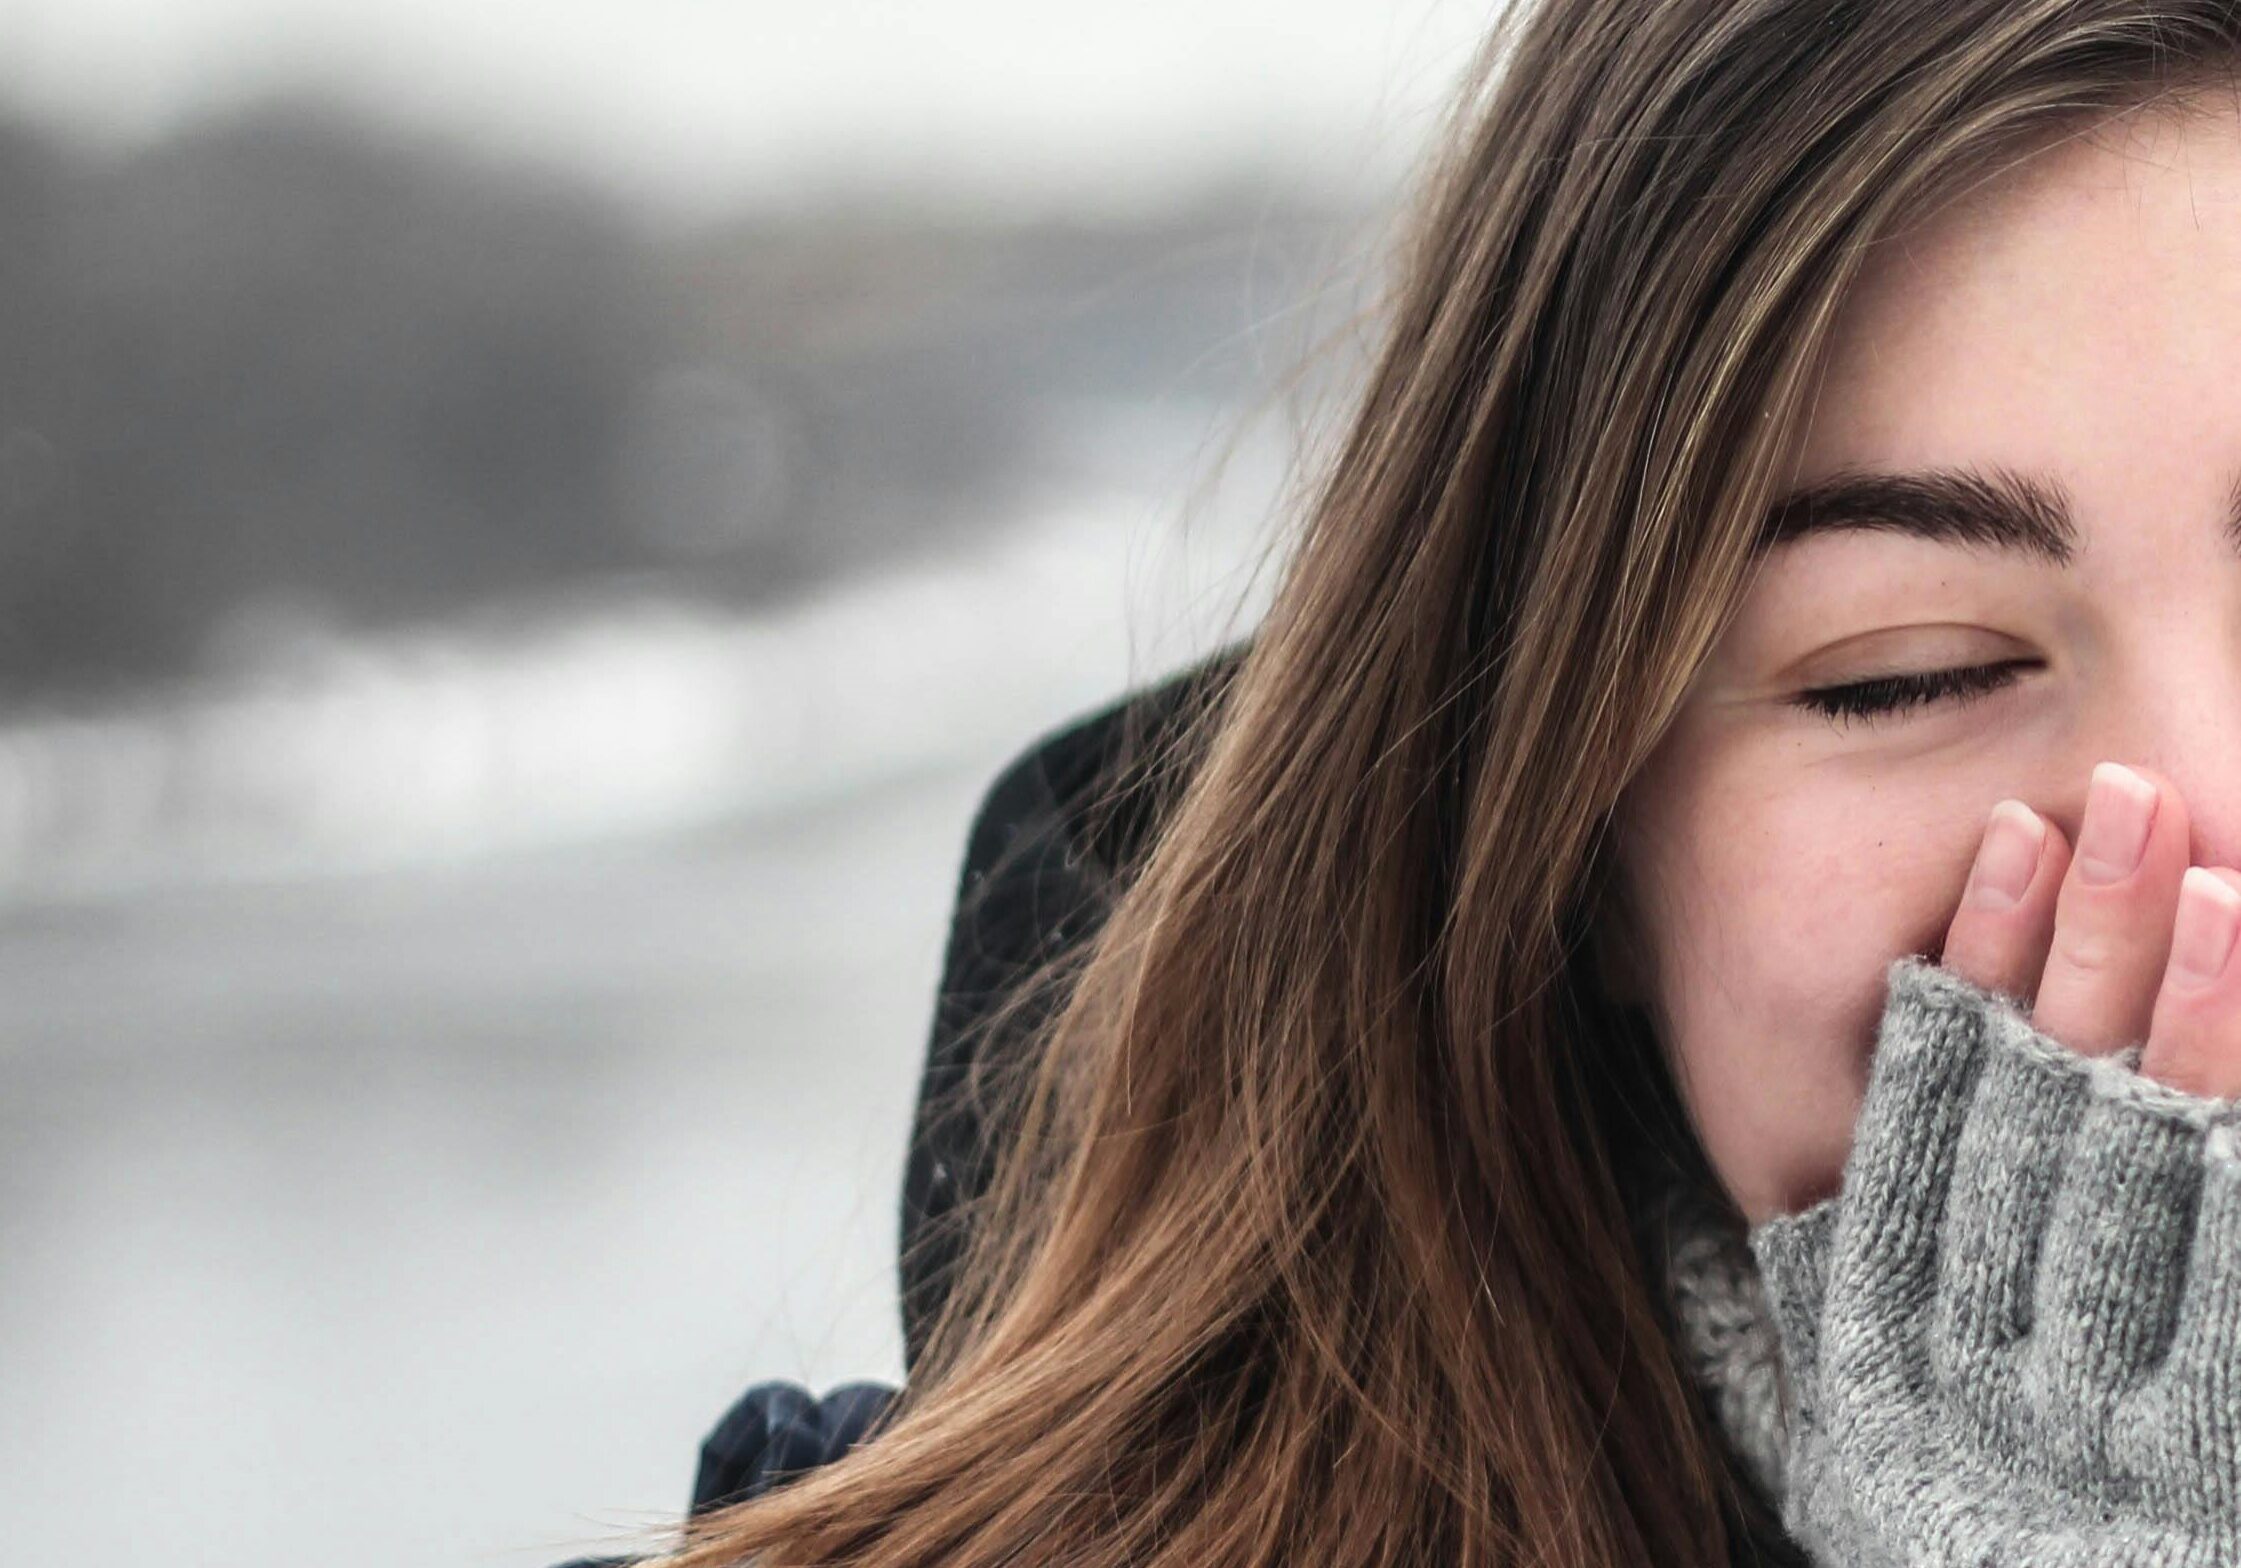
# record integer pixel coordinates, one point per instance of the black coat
(1075, 803)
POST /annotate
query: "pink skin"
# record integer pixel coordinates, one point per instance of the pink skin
(2078, 316)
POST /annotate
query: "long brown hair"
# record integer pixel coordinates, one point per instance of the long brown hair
(1310, 1243)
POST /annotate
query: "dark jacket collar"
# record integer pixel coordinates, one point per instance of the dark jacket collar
(1079, 801)
(1076, 803)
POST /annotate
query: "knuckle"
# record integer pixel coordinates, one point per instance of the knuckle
(2090, 947)
(2187, 1073)
(2191, 1046)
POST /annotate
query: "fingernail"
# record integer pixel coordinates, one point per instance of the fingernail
(2119, 808)
(2202, 935)
(2005, 861)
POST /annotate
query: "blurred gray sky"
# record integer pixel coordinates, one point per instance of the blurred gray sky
(693, 104)
(444, 1057)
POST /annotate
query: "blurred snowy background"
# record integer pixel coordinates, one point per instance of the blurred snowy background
(524, 531)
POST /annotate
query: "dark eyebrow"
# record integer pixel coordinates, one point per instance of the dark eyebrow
(2001, 509)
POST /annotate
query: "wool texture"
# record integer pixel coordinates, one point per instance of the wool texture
(1716, 1304)
(2012, 1339)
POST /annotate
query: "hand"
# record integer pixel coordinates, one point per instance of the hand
(2013, 1337)
(2121, 943)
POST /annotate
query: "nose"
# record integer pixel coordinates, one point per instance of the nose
(2188, 746)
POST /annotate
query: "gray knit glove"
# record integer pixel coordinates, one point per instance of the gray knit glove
(2013, 1338)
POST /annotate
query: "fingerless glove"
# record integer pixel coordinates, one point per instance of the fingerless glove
(2013, 1338)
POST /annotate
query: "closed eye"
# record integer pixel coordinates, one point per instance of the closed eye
(1887, 694)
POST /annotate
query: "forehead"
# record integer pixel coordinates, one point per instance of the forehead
(2077, 311)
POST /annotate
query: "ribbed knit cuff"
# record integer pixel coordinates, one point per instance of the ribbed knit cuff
(2019, 1320)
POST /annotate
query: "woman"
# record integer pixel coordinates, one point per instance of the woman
(1633, 1040)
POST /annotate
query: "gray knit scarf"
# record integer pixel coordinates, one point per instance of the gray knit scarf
(1697, 1254)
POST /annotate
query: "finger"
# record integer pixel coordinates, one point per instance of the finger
(1999, 936)
(1885, 1248)
(2112, 918)
(2178, 1429)
(1792, 1251)
(2115, 1261)
(2194, 1041)
(2009, 1167)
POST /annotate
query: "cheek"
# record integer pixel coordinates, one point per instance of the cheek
(1819, 888)
(1775, 939)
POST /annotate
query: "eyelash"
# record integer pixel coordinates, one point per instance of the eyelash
(1892, 693)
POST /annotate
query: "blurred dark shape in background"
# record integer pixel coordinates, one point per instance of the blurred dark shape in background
(292, 370)
(493, 685)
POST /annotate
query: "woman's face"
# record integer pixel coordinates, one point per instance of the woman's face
(2068, 335)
